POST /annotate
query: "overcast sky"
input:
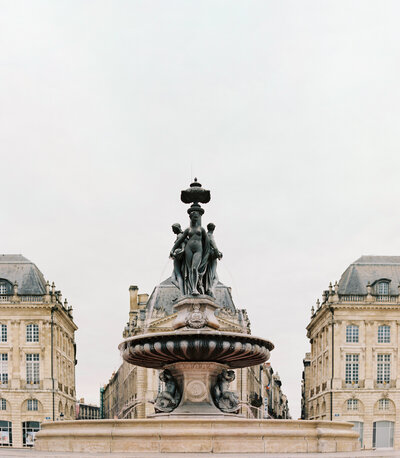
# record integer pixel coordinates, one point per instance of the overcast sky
(287, 111)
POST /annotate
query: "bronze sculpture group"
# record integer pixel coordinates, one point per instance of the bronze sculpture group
(195, 255)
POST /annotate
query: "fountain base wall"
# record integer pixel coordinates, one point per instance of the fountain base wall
(200, 435)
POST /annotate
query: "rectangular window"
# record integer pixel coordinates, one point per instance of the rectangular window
(3, 404)
(29, 430)
(32, 368)
(3, 288)
(384, 334)
(352, 404)
(32, 404)
(3, 333)
(383, 369)
(352, 368)
(32, 333)
(351, 334)
(4, 368)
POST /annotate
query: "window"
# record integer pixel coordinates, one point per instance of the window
(4, 368)
(5, 434)
(383, 369)
(3, 404)
(29, 429)
(3, 288)
(384, 404)
(32, 333)
(382, 436)
(382, 288)
(32, 404)
(352, 404)
(384, 334)
(32, 368)
(359, 427)
(351, 334)
(352, 368)
(3, 333)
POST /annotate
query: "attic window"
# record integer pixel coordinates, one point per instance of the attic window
(382, 288)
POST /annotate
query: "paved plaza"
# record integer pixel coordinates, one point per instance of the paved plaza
(27, 453)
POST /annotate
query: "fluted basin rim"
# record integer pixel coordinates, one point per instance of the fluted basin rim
(155, 350)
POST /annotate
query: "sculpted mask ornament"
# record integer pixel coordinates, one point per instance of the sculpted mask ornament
(196, 318)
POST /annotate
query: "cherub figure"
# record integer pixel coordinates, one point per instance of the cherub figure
(225, 400)
(167, 400)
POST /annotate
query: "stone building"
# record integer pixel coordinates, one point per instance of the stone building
(275, 401)
(352, 372)
(130, 388)
(86, 411)
(37, 352)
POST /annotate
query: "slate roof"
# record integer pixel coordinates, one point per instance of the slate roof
(15, 267)
(166, 294)
(370, 269)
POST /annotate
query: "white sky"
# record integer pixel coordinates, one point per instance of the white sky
(287, 111)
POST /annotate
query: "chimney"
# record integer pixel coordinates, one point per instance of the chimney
(133, 293)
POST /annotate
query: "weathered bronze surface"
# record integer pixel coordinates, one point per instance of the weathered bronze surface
(196, 358)
(195, 252)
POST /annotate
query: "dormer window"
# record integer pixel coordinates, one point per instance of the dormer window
(382, 288)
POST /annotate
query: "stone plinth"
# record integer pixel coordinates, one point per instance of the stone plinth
(213, 435)
(196, 381)
(196, 313)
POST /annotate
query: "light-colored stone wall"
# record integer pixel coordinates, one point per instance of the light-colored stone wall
(17, 315)
(323, 389)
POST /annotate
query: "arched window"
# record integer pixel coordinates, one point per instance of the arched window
(5, 287)
(33, 405)
(382, 288)
(351, 333)
(383, 404)
(352, 404)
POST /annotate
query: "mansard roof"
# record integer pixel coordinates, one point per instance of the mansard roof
(17, 268)
(166, 294)
(370, 269)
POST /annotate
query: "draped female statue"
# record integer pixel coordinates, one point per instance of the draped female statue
(195, 257)
(194, 252)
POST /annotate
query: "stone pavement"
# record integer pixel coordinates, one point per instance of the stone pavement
(31, 453)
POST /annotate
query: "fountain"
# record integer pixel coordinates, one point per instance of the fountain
(196, 411)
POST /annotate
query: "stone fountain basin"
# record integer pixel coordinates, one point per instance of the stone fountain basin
(156, 350)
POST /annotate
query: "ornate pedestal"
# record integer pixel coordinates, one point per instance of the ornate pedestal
(196, 313)
(196, 381)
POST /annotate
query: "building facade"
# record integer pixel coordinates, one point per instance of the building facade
(37, 352)
(131, 388)
(352, 372)
(86, 411)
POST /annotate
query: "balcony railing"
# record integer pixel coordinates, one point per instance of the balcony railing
(31, 298)
(385, 298)
(10, 298)
(353, 298)
(364, 298)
